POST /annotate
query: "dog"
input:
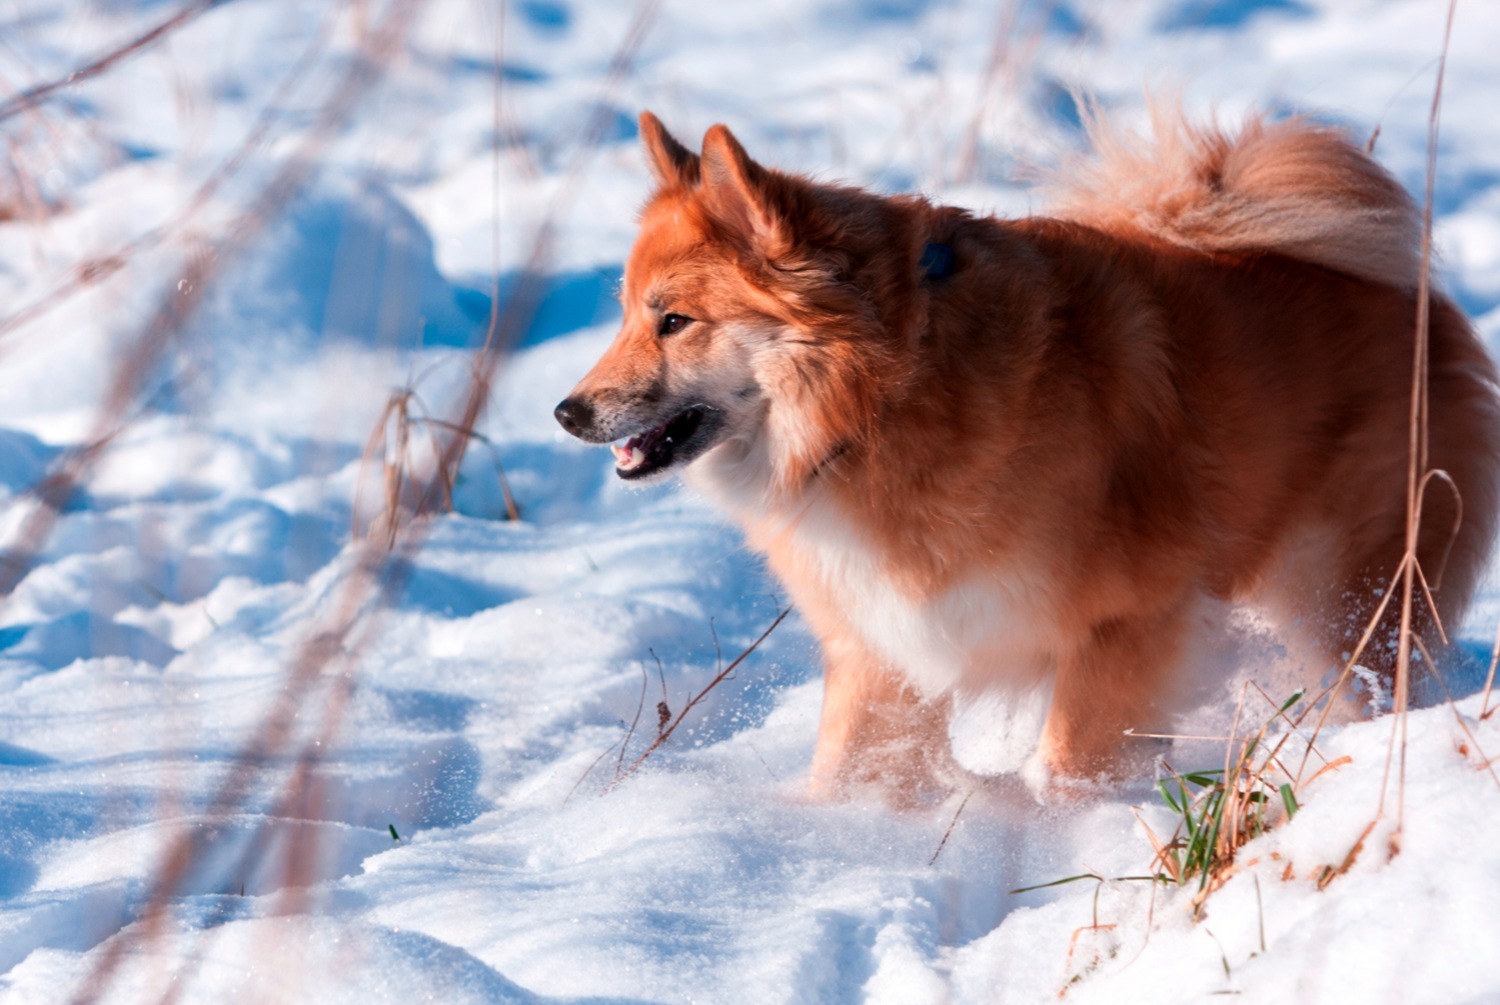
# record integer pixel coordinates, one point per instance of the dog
(1016, 456)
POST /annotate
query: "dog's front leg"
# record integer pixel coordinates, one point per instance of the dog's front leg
(1113, 681)
(877, 731)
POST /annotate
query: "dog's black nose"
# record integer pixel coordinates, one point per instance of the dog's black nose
(575, 415)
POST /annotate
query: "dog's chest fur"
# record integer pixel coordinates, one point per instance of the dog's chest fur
(987, 627)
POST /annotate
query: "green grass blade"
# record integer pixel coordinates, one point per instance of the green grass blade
(1058, 882)
(1289, 800)
(1166, 795)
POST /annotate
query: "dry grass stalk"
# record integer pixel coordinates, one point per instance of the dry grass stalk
(1077, 973)
(951, 825)
(1414, 588)
(989, 84)
(402, 488)
(371, 578)
(1473, 741)
(35, 95)
(1329, 873)
(667, 723)
(507, 324)
(97, 268)
(664, 733)
(1409, 575)
(303, 796)
(405, 475)
(1489, 677)
(1075, 977)
(512, 508)
(178, 306)
(271, 735)
(1000, 64)
(19, 197)
(1417, 471)
(377, 575)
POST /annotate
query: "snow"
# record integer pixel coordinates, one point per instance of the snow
(465, 831)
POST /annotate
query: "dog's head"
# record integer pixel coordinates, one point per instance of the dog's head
(745, 324)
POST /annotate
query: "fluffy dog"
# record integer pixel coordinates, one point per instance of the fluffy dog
(1016, 455)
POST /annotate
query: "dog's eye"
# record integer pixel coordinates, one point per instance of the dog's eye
(673, 323)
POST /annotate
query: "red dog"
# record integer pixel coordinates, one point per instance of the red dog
(1014, 455)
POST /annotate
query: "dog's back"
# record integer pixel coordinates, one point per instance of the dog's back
(1341, 359)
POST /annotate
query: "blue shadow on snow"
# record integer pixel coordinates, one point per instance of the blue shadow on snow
(1226, 13)
(570, 301)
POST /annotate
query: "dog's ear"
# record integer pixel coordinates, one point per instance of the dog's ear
(738, 193)
(671, 163)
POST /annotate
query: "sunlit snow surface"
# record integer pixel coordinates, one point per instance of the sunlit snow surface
(158, 623)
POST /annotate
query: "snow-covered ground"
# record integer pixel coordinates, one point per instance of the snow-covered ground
(225, 251)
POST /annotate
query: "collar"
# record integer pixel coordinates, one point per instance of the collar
(936, 261)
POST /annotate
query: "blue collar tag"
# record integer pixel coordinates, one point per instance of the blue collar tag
(937, 261)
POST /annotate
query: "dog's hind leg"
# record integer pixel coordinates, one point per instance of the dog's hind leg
(1118, 678)
(877, 731)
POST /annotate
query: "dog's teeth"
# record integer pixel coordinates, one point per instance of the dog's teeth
(627, 458)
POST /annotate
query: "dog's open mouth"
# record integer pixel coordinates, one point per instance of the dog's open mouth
(680, 438)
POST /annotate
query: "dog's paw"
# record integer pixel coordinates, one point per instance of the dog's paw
(912, 785)
(1037, 774)
(1051, 787)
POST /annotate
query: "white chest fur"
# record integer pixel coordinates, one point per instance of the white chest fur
(985, 630)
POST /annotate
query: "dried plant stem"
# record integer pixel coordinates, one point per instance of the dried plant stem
(100, 267)
(180, 304)
(1489, 677)
(301, 798)
(377, 574)
(373, 576)
(512, 508)
(951, 824)
(1462, 725)
(1417, 453)
(640, 707)
(507, 325)
(38, 93)
(665, 733)
(1001, 74)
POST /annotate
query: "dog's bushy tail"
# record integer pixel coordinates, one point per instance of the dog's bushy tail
(1291, 187)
